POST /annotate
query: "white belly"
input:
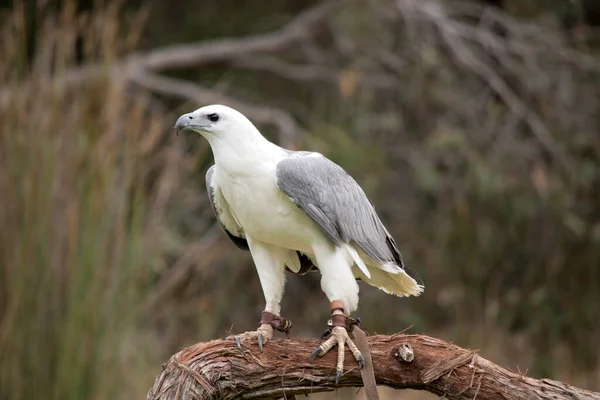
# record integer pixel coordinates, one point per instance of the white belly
(267, 214)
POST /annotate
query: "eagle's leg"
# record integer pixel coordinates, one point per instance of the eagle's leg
(339, 284)
(339, 326)
(270, 264)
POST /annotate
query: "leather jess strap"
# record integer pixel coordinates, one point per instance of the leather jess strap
(281, 324)
(367, 373)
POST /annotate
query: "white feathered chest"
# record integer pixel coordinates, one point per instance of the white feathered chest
(262, 210)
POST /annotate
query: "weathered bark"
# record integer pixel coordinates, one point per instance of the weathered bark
(218, 370)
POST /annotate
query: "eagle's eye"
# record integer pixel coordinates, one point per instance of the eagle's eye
(213, 117)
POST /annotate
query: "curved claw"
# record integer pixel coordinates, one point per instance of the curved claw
(361, 362)
(239, 343)
(324, 335)
(260, 342)
(314, 354)
(338, 376)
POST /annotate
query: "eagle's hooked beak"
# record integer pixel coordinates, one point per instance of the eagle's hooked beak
(190, 122)
(184, 122)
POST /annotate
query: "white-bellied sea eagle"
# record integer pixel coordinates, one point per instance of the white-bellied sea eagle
(297, 210)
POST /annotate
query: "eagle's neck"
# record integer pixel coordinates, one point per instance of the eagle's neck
(245, 154)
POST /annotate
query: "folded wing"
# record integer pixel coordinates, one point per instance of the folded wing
(339, 206)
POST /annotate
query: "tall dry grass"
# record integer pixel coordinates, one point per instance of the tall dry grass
(82, 173)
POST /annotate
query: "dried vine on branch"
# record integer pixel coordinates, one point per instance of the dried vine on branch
(218, 370)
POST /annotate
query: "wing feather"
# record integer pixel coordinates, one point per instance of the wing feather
(223, 213)
(338, 205)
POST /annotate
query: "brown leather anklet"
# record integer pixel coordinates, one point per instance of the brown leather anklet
(343, 320)
(339, 320)
(281, 324)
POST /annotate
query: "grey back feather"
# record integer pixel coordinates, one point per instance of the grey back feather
(338, 205)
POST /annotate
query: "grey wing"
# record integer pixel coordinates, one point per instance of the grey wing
(338, 205)
(233, 230)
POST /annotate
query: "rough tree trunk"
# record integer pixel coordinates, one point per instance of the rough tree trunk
(218, 370)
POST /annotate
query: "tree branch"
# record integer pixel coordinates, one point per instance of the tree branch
(200, 95)
(142, 68)
(452, 33)
(183, 56)
(312, 73)
(218, 370)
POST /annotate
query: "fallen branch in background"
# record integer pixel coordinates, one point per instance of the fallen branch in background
(143, 68)
(190, 91)
(218, 370)
(505, 63)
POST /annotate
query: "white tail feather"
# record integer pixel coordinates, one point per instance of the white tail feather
(361, 264)
(398, 282)
(292, 261)
(390, 267)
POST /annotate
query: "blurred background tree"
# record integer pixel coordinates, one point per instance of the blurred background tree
(472, 125)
